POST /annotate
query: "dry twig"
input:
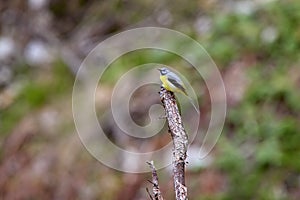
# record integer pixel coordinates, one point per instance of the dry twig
(180, 142)
(156, 191)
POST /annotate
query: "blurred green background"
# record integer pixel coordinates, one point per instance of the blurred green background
(255, 44)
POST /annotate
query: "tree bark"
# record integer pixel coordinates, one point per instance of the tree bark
(155, 185)
(180, 142)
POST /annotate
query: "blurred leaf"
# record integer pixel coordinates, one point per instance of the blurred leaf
(269, 153)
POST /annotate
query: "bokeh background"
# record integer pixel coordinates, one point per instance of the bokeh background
(255, 44)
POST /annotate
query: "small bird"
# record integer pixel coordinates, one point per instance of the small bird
(172, 82)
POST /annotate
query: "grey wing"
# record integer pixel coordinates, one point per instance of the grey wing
(176, 81)
(175, 77)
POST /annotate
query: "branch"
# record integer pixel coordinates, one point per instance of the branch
(156, 190)
(180, 142)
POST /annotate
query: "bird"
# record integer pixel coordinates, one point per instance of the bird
(172, 82)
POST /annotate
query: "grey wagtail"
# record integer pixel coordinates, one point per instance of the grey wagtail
(172, 82)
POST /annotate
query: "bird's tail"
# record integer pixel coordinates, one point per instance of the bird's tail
(191, 101)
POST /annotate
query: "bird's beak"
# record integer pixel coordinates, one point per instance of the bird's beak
(159, 69)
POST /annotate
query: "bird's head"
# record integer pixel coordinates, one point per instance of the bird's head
(163, 71)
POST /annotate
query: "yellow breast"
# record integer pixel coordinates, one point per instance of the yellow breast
(167, 85)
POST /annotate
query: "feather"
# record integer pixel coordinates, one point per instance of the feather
(175, 80)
